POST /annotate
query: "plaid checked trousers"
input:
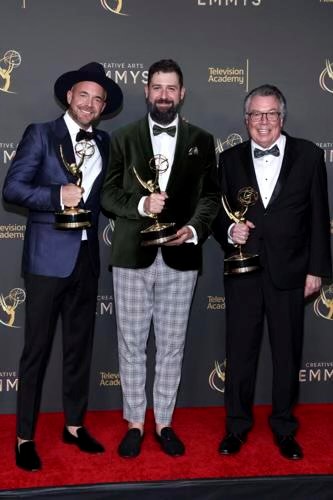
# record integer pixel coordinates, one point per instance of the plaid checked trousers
(162, 295)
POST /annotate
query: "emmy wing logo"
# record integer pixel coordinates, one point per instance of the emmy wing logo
(114, 6)
(8, 306)
(323, 305)
(326, 77)
(217, 376)
(230, 141)
(10, 60)
(107, 232)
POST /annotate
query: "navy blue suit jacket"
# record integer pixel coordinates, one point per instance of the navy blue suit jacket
(33, 181)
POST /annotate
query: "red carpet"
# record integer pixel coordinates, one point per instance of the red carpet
(200, 428)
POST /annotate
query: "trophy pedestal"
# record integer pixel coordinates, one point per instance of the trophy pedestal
(73, 218)
(241, 263)
(158, 233)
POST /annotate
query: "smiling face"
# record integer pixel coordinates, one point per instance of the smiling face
(164, 94)
(86, 102)
(264, 132)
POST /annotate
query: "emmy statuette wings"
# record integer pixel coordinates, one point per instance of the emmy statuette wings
(159, 232)
(240, 262)
(75, 217)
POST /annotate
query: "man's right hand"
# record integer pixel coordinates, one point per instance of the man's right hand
(71, 195)
(154, 203)
(240, 232)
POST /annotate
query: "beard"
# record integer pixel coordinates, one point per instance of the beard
(163, 117)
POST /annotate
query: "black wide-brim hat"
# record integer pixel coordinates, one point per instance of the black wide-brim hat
(92, 72)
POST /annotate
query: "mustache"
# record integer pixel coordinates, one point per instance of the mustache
(163, 101)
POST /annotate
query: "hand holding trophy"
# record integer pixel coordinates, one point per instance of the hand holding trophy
(241, 262)
(159, 232)
(74, 217)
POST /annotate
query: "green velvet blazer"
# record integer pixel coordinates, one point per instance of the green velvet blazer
(193, 194)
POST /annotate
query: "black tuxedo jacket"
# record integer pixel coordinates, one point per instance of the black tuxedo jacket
(192, 189)
(292, 233)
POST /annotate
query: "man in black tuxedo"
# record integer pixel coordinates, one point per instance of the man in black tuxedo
(157, 282)
(61, 266)
(289, 228)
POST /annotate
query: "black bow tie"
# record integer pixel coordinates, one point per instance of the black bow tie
(259, 153)
(157, 130)
(83, 135)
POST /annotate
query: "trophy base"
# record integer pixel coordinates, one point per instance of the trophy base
(73, 218)
(241, 263)
(158, 233)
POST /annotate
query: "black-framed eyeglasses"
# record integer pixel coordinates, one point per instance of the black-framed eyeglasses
(257, 116)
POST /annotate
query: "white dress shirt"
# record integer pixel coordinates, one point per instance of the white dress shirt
(267, 169)
(164, 144)
(91, 167)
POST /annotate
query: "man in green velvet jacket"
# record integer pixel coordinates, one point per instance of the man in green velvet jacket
(156, 282)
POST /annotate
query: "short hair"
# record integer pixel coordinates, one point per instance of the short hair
(264, 91)
(165, 66)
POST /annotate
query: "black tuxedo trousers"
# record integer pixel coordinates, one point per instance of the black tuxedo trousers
(74, 300)
(250, 299)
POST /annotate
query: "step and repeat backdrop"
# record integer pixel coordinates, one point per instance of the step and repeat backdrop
(225, 48)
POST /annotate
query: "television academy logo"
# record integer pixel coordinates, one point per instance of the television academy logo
(10, 60)
(323, 305)
(230, 75)
(326, 77)
(229, 142)
(216, 378)
(8, 306)
(114, 6)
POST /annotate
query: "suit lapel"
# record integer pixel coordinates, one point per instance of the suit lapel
(103, 147)
(62, 141)
(180, 157)
(287, 162)
(247, 163)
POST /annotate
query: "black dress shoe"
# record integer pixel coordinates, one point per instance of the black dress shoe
(231, 443)
(130, 445)
(83, 440)
(289, 448)
(170, 442)
(27, 457)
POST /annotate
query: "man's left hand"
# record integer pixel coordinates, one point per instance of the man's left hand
(312, 285)
(183, 234)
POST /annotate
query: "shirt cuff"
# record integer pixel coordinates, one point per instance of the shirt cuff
(140, 207)
(230, 240)
(194, 238)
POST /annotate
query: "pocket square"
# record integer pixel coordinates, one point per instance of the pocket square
(193, 151)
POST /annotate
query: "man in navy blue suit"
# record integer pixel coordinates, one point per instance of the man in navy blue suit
(60, 266)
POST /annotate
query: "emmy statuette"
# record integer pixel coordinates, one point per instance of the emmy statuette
(75, 217)
(159, 232)
(241, 262)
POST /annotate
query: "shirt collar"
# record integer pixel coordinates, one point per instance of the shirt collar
(152, 122)
(72, 126)
(280, 142)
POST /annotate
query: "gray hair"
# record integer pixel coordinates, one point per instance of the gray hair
(264, 91)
